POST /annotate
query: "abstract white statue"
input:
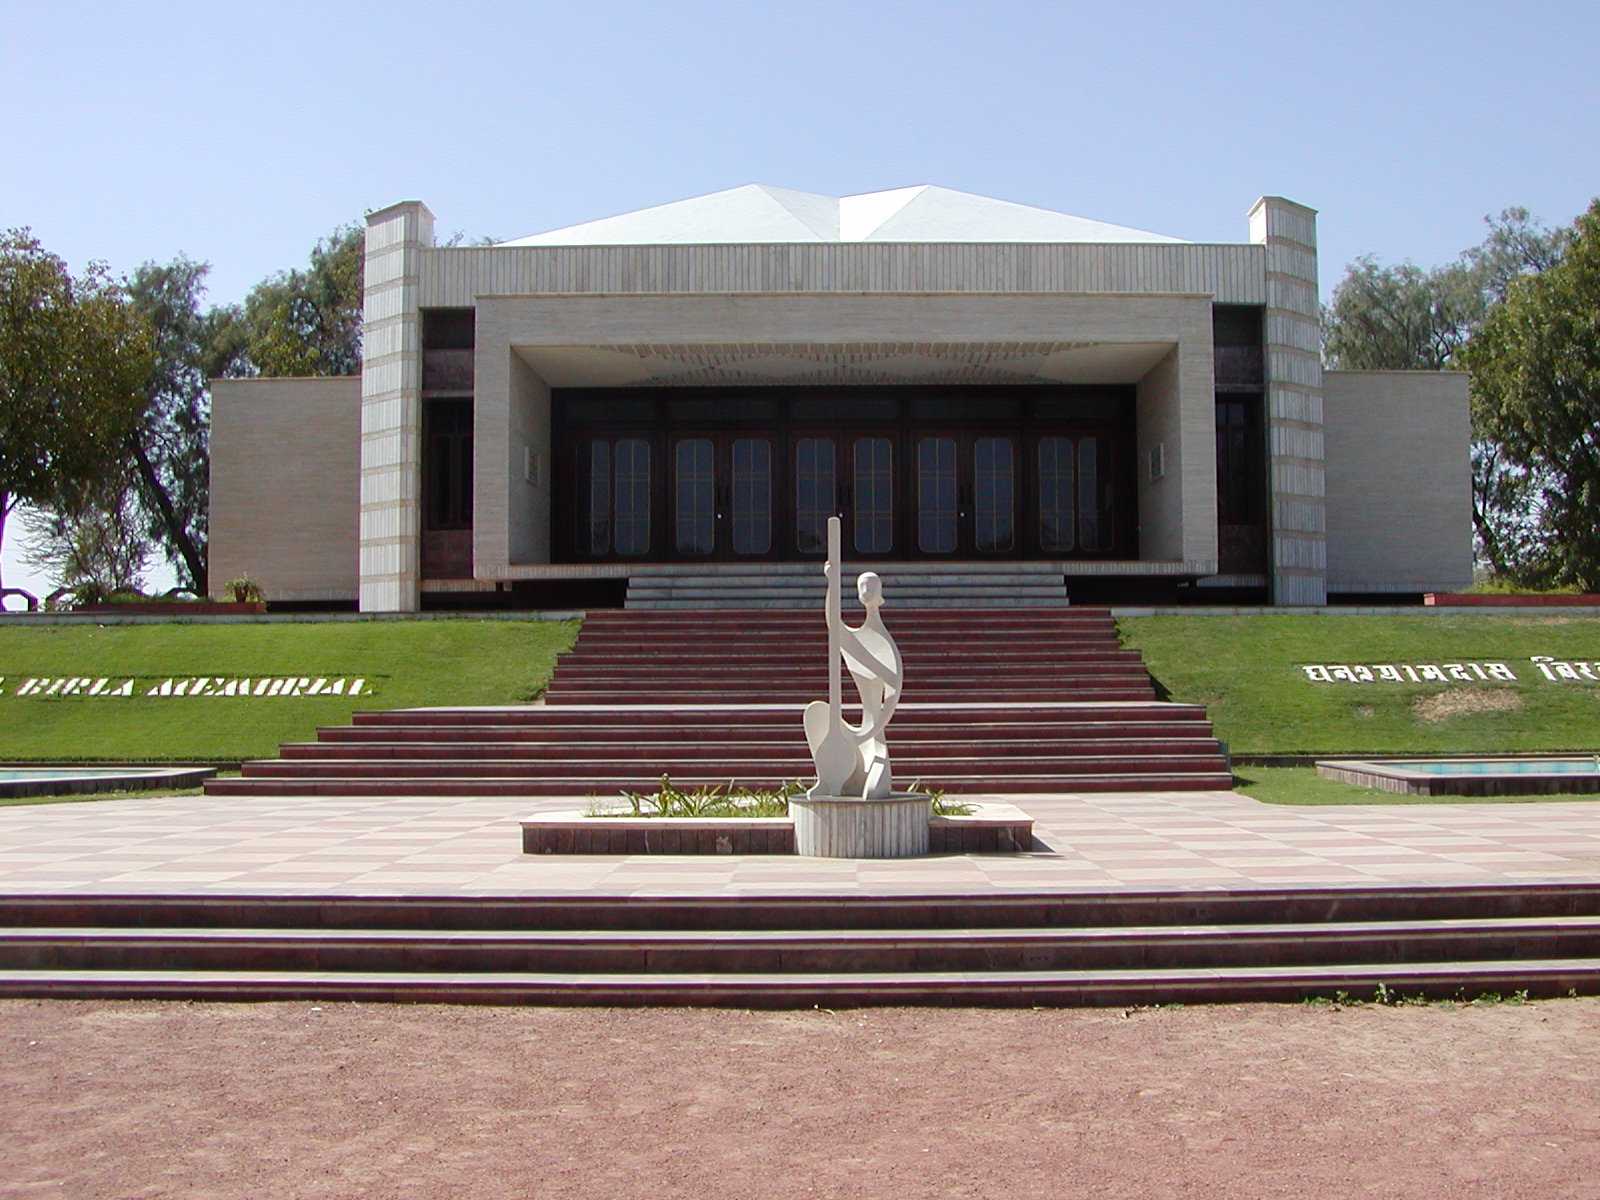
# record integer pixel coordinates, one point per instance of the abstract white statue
(853, 760)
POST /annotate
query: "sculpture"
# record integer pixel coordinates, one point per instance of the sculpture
(852, 761)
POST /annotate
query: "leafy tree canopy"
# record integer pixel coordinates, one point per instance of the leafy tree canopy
(1535, 369)
(1405, 318)
(305, 322)
(74, 358)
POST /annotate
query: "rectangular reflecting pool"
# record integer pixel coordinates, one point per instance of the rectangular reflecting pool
(56, 781)
(1523, 776)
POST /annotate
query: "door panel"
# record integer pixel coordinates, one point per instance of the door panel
(816, 492)
(750, 510)
(615, 498)
(966, 494)
(994, 491)
(721, 491)
(872, 498)
(1077, 494)
(694, 496)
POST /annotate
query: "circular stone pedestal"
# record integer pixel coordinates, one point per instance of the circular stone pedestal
(850, 827)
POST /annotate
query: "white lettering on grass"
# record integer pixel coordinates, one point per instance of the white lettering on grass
(1462, 672)
(1563, 670)
(186, 686)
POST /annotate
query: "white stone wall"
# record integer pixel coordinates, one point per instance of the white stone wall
(1399, 490)
(1234, 274)
(1178, 510)
(1293, 348)
(285, 468)
(391, 409)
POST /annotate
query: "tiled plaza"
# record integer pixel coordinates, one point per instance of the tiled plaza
(415, 845)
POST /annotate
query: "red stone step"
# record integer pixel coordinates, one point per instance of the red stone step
(586, 695)
(1139, 712)
(790, 952)
(722, 748)
(1152, 947)
(790, 764)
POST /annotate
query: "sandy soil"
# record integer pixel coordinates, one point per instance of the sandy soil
(342, 1100)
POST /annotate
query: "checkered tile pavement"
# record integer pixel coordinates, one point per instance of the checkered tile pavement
(1098, 842)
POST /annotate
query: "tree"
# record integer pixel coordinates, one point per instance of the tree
(94, 543)
(1535, 368)
(309, 322)
(1403, 318)
(74, 357)
(168, 452)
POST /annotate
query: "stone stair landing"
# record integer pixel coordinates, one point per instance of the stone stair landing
(698, 586)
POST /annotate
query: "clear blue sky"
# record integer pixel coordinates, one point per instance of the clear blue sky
(240, 132)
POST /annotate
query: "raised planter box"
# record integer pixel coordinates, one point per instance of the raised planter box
(1511, 600)
(989, 829)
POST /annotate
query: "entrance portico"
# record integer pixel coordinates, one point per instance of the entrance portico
(729, 427)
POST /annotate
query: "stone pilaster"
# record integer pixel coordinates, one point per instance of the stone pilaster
(1293, 337)
(391, 408)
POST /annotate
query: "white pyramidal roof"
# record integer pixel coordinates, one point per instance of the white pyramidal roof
(758, 213)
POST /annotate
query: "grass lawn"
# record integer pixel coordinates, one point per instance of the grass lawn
(1247, 671)
(406, 664)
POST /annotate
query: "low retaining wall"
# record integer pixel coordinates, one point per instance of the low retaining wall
(1396, 778)
(989, 829)
(1509, 600)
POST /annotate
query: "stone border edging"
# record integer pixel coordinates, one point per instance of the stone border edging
(989, 829)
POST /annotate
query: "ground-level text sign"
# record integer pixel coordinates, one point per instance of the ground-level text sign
(60, 687)
(1541, 666)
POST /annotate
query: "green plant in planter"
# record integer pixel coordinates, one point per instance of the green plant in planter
(722, 800)
(243, 590)
(726, 800)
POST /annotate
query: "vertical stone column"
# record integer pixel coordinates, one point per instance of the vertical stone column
(391, 408)
(1293, 336)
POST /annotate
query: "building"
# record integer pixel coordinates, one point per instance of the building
(962, 379)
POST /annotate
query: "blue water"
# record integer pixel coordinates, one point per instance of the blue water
(1504, 766)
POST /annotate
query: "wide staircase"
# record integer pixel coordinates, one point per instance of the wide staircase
(999, 701)
(1128, 948)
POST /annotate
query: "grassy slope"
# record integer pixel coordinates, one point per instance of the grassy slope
(1246, 670)
(407, 663)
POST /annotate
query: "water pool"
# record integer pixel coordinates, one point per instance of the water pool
(1471, 776)
(49, 780)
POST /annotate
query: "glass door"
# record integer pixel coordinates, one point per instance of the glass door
(1076, 495)
(615, 498)
(851, 476)
(721, 496)
(966, 494)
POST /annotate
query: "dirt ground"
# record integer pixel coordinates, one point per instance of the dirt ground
(343, 1100)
